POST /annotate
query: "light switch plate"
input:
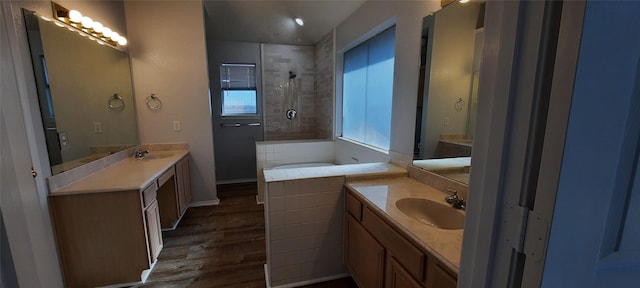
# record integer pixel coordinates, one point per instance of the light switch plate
(176, 125)
(97, 127)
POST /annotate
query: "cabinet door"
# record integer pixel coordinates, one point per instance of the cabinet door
(184, 183)
(440, 278)
(364, 256)
(154, 232)
(398, 277)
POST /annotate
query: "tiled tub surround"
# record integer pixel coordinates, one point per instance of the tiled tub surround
(382, 194)
(304, 213)
(275, 153)
(324, 61)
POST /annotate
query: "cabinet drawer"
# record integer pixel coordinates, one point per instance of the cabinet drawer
(354, 207)
(149, 194)
(166, 176)
(405, 253)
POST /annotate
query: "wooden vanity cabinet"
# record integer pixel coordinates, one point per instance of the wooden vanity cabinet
(183, 175)
(168, 199)
(102, 238)
(398, 277)
(378, 255)
(364, 256)
(174, 193)
(152, 217)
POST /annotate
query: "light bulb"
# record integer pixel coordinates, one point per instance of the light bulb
(115, 36)
(122, 41)
(75, 16)
(98, 27)
(87, 22)
(107, 32)
(299, 21)
(463, 1)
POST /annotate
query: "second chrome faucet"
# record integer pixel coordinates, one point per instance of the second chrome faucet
(455, 201)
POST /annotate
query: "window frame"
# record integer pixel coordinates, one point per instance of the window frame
(339, 80)
(255, 89)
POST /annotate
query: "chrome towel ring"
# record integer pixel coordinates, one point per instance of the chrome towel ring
(116, 102)
(153, 102)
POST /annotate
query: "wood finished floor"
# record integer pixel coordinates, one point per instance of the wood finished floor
(220, 246)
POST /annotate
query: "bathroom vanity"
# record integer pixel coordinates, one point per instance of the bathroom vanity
(391, 242)
(108, 224)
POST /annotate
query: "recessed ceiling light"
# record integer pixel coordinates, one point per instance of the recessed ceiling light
(299, 21)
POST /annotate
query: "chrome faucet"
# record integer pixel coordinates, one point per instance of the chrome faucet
(455, 201)
(140, 153)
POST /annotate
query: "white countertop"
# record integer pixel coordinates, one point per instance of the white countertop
(365, 169)
(126, 175)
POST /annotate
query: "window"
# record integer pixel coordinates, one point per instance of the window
(238, 83)
(368, 89)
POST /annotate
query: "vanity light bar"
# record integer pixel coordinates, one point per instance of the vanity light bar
(84, 24)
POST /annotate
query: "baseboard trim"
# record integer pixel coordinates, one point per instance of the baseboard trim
(236, 181)
(205, 203)
(267, 276)
(303, 283)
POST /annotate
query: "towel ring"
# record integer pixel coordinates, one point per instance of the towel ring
(459, 104)
(153, 102)
(116, 102)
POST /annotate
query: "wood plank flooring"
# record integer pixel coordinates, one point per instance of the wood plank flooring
(219, 246)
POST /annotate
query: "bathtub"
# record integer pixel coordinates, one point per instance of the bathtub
(302, 165)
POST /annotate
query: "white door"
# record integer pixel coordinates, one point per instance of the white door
(22, 196)
(595, 232)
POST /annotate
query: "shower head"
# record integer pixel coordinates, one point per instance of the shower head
(292, 75)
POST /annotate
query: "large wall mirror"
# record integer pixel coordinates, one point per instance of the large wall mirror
(84, 92)
(452, 43)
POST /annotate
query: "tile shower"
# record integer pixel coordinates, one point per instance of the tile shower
(299, 78)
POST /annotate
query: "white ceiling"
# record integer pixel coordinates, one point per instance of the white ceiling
(267, 21)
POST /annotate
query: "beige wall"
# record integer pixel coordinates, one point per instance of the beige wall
(407, 16)
(451, 69)
(168, 57)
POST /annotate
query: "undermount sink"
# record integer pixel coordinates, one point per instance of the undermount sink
(156, 156)
(431, 213)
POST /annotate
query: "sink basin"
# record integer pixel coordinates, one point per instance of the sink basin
(156, 156)
(431, 213)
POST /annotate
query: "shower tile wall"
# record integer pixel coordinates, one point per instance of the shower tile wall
(324, 62)
(277, 61)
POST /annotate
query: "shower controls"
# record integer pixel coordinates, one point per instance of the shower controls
(291, 114)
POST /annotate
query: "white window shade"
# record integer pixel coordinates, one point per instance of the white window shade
(238, 76)
(239, 94)
(368, 90)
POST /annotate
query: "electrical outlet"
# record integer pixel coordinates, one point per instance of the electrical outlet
(446, 121)
(64, 141)
(176, 125)
(97, 127)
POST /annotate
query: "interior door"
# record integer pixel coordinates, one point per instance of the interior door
(234, 133)
(595, 230)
